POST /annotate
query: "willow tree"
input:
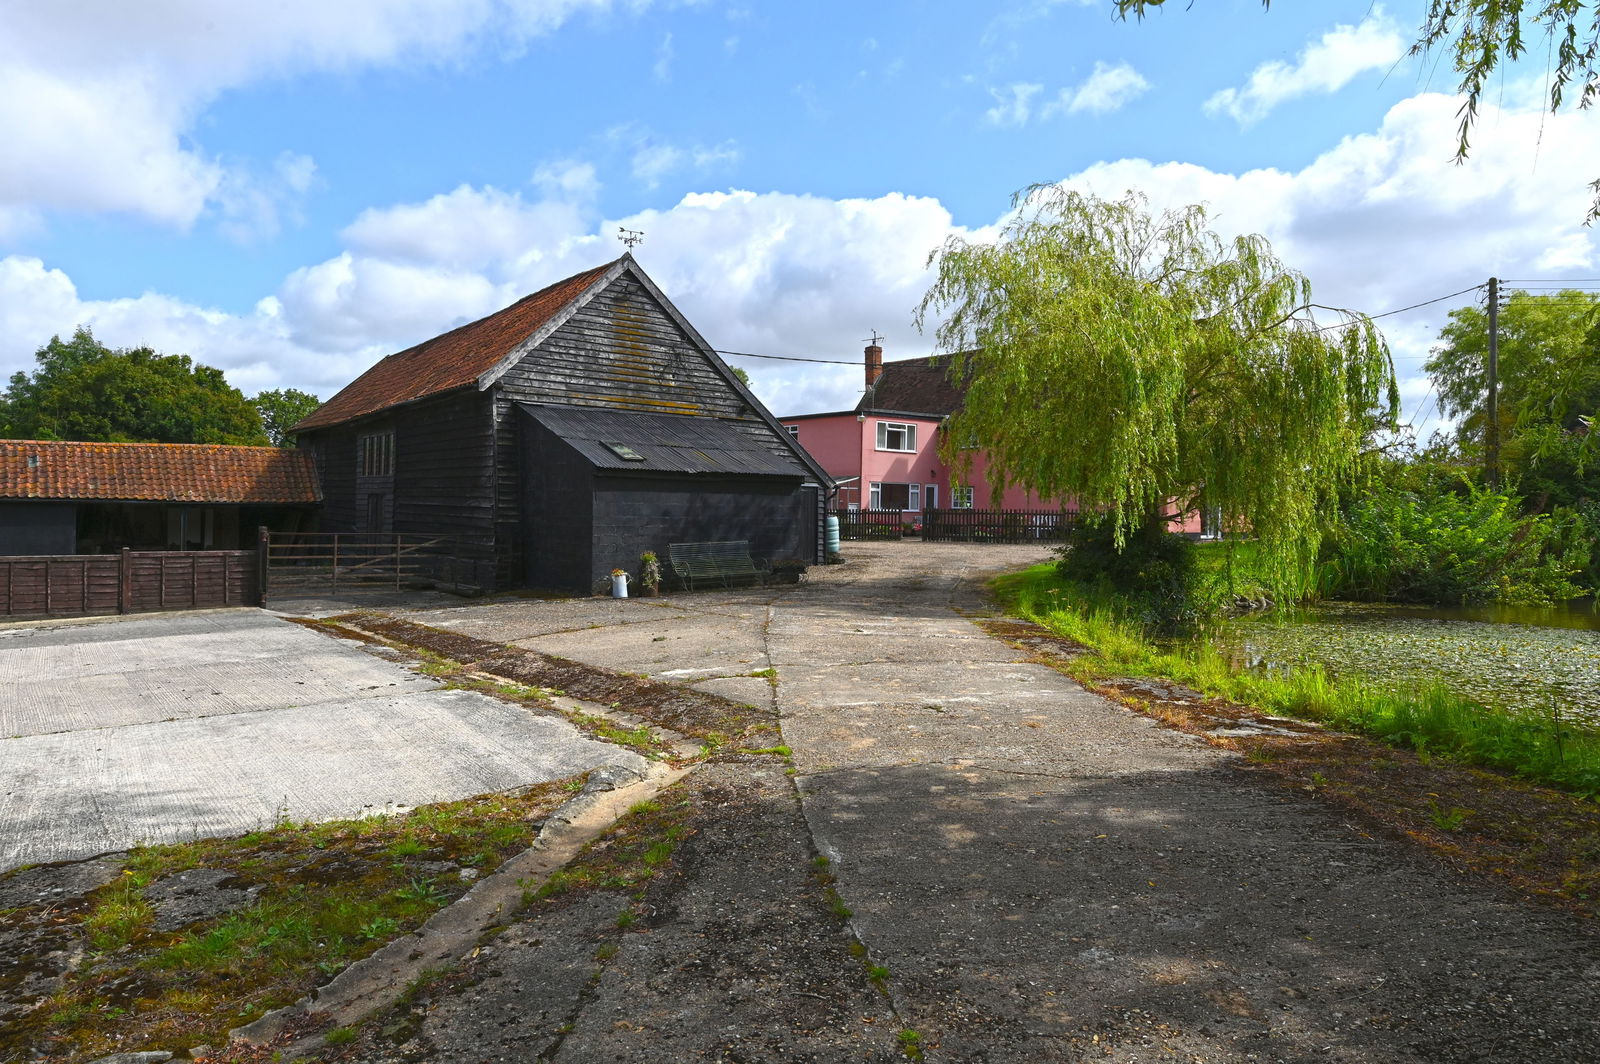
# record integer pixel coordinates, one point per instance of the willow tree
(1140, 363)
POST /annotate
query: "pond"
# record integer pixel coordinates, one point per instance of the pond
(1526, 658)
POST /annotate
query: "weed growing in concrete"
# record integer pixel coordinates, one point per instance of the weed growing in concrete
(340, 1036)
(910, 1043)
(119, 914)
(1449, 819)
(780, 750)
(324, 895)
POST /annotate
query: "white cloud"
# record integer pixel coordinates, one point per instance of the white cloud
(1379, 221)
(1328, 65)
(99, 102)
(653, 159)
(663, 65)
(1107, 88)
(1012, 106)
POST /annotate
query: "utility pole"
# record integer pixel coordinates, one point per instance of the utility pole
(1491, 411)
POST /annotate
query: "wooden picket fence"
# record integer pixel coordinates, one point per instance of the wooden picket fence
(958, 526)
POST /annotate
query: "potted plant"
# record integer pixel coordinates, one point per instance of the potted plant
(650, 573)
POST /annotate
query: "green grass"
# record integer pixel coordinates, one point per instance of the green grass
(1430, 719)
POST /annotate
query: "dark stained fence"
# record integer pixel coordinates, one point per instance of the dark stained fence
(130, 582)
(871, 524)
(997, 526)
(351, 562)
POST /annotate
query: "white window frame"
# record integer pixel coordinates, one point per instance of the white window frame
(875, 497)
(910, 436)
(961, 496)
(930, 496)
(794, 431)
(914, 498)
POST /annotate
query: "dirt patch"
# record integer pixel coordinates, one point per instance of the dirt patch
(1536, 842)
(684, 710)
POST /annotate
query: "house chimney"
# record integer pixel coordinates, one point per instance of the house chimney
(874, 364)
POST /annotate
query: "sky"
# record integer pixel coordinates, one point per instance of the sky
(291, 191)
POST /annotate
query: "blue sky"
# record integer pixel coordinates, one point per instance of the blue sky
(292, 191)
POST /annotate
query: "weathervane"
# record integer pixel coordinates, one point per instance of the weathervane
(630, 237)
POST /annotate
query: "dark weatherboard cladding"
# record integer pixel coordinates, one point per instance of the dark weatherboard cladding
(606, 348)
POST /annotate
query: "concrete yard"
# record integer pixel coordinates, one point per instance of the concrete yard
(171, 727)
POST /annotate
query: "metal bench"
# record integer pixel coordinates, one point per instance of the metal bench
(723, 563)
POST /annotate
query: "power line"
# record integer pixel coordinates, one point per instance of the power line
(791, 358)
(1340, 325)
(1402, 310)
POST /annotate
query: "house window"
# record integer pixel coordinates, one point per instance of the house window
(894, 436)
(794, 431)
(960, 497)
(375, 455)
(895, 496)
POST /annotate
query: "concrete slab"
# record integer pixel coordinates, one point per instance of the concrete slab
(166, 728)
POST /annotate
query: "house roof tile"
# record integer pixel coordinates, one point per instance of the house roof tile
(452, 360)
(156, 472)
(914, 386)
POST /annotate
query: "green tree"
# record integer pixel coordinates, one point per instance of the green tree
(1131, 360)
(1549, 370)
(1479, 35)
(281, 410)
(83, 390)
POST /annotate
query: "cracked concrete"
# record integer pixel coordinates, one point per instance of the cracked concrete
(166, 728)
(1049, 876)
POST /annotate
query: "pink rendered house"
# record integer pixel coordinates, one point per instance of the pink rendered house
(885, 452)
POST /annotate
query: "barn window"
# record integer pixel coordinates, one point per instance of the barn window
(375, 454)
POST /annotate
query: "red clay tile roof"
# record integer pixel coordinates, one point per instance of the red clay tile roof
(453, 360)
(914, 386)
(159, 472)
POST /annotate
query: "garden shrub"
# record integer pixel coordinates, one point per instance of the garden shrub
(1154, 571)
(1445, 545)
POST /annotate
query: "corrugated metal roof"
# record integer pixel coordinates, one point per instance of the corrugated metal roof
(668, 443)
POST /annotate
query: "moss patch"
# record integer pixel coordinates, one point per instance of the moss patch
(315, 897)
(704, 716)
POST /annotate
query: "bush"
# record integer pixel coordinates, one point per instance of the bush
(1155, 572)
(1448, 545)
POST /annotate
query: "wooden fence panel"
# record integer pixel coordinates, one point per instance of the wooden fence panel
(872, 524)
(997, 526)
(133, 582)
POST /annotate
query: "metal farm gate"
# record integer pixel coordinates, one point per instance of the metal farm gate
(339, 563)
(133, 581)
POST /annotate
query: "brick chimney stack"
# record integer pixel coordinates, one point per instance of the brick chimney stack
(874, 364)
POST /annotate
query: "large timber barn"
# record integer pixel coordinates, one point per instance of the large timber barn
(559, 438)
